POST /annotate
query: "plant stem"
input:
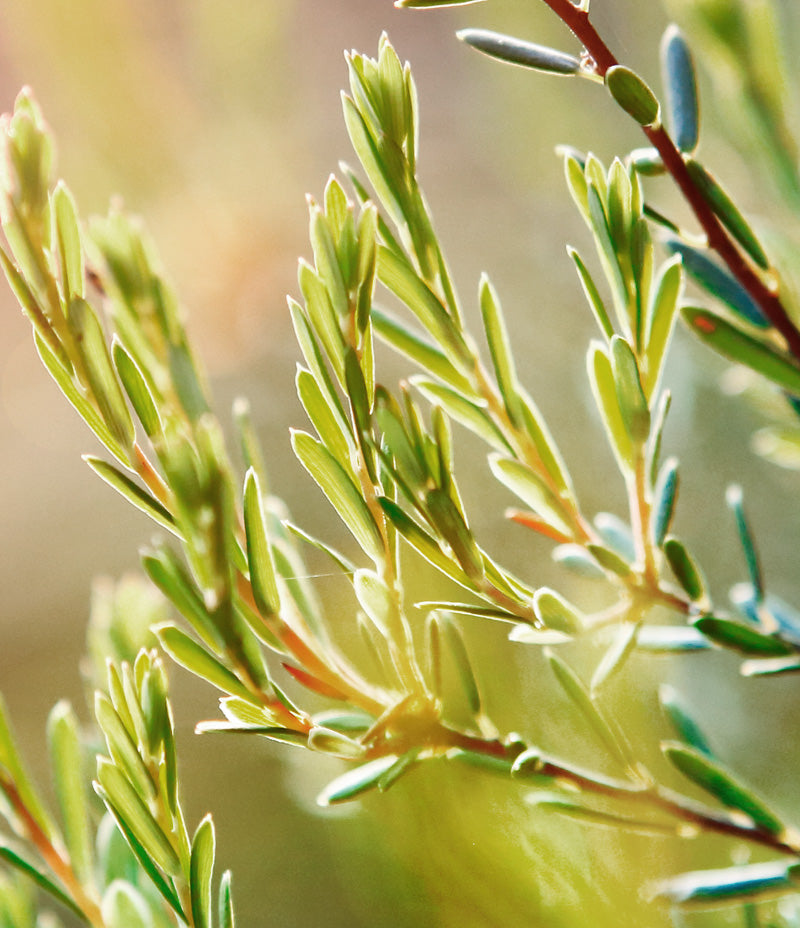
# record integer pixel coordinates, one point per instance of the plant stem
(767, 299)
(58, 864)
(688, 810)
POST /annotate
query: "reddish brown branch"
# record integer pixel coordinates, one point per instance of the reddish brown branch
(767, 300)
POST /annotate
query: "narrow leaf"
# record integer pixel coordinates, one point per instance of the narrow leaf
(259, 553)
(605, 731)
(342, 492)
(727, 212)
(741, 638)
(352, 784)
(189, 654)
(679, 715)
(136, 495)
(680, 84)
(686, 570)
(717, 281)
(11, 857)
(517, 51)
(67, 760)
(721, 784)
(131, 808)
(201, 867)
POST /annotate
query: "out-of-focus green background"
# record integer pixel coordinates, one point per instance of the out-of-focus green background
(213, 120)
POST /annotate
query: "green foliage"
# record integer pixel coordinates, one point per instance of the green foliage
(108, 329)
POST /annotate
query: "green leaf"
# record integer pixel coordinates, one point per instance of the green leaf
(532, 490)
(122, 747)
(554, 612)
(225, 901)
(82, 406)
(450, 524)
(633, 95)
(342, 492)
(11, 761)
(189, 654)
(138, 390)
(424, 543)
(470, 413)
(731, 884)
(741, 638)
(68, 238)
(609, 560)
(419, 350)
(123, 906)
(734, 499)
(90, 339)
(380, 603)
(452, 637)
(686, 570)
(322, 316)
(671, 638)
(142, 854)
(604, 389)
(717, 281)
(14, 859)
(592, 294)
(135, 494)
(576, 559)
(630, 395)
(721, 784)
(572, 808)
(499, 348)
(128, 806)
(201, 867)
(517, 51)
(597, 220)
(327, 261)
(664, 497)
(621, 648)
(360, 780)
(646, 161)
(69, 780)
(398, 276)
(680, 84)
(259, 553)
(727, 212)
(607, 732)
(661, 314)
(678, 713)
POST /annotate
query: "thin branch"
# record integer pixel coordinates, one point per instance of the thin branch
(577, 20)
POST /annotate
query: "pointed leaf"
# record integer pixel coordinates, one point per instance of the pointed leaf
(721, 784)
(259, 553)
(678, 713)
(201, 867)
(741, 638)
(136, 495)
(355, 782)
(189, 654)
(342, 492)
(69, 779)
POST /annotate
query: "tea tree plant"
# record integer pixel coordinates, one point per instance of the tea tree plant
(235, 608)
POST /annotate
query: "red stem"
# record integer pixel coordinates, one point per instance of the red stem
(769, 302)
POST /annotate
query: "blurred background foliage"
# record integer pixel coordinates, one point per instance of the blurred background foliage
(213, 120)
